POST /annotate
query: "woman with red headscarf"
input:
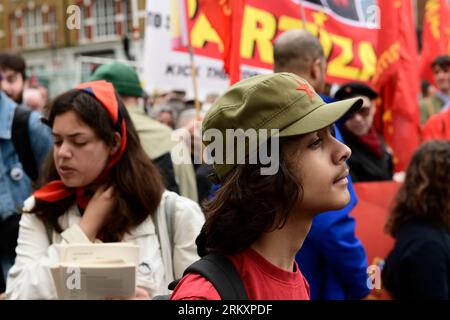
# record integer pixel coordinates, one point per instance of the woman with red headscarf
(99, 185)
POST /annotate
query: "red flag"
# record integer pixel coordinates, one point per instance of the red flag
(435, 37)
(397, 79)
(225, 17)
(371, 213)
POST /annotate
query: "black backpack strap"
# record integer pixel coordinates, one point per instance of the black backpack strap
(219, 270)
(21, 139)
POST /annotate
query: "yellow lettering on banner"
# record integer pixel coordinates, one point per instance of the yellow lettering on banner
(259, 28)
(368, 59)
(326, 42)
(338, 67)
(202, 32)
(387, 120)
(319, 18)
(287, 23)
(432, 17)
(192, 8)
(387, 116)
(386, 59)
(312, 28)
(225, 4)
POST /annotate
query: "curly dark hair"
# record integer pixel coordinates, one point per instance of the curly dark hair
(137, 182)
(247, 205)
(425, 193)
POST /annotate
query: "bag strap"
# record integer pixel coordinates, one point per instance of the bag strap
(219, 270)
(170, 212)
(21, 140)
(164, 220)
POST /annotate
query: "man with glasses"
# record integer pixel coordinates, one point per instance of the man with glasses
(440, 100)
(371, 159)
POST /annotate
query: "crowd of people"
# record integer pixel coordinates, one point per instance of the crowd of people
(99, 163)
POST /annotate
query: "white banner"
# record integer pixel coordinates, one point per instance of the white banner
(165, 69)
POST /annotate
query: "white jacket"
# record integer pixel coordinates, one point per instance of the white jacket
(30, 277)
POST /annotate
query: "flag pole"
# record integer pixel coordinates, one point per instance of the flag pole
(194, 82)
(302, 13)
(185, 39)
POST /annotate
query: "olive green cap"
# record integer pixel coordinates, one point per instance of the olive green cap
(282, 101)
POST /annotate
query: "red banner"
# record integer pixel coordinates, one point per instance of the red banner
(348, 32)
(397, 79)
(436, 35)
(345, 29)
(371, 213)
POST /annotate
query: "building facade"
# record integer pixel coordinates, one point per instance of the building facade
(63, 40)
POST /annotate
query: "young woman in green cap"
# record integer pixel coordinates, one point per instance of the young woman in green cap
(259, 218)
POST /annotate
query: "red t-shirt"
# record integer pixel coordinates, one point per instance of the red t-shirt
(262, 280)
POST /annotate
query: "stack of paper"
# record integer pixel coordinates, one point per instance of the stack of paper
(96, 271)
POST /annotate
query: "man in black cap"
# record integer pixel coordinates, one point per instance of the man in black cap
(440, 100)
(371, 159)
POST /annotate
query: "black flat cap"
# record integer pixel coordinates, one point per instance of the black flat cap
(440, 60)
(354, 89)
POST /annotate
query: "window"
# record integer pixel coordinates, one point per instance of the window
(103, 12)
(51, 39)
(104, 20)
(13, 26)
(32, 28)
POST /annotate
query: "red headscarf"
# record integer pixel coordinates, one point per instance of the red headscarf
(103, 91)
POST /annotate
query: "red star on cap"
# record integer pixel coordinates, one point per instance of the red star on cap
(305, 87)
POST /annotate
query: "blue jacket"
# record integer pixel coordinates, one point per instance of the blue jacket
(332, 259)
(15, 185)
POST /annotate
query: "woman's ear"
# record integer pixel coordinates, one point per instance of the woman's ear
(116, 144)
